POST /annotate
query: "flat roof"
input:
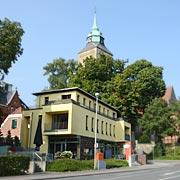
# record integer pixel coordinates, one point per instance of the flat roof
(73, 89)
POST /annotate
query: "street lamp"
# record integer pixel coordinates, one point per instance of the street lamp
(95, 130)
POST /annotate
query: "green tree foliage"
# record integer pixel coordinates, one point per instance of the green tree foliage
(59, 72)
(158, 119)
(10, 47)
(132, 90)
(175, 111)
(10, 43)
(96, 74)
(144, 139)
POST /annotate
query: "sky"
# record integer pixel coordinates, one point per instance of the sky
(133, 30)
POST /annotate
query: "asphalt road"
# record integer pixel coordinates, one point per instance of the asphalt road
(165, 173)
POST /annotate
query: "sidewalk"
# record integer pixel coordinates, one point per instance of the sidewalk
(54, 175)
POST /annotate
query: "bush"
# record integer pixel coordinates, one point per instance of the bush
(13, 165)
(114, 163)
(144, 139)
(168, 158)
(62, 165)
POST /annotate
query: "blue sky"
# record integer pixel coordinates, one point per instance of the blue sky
(133, 29)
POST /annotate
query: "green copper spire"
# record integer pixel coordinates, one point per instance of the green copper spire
(95, 35)
(95, 27)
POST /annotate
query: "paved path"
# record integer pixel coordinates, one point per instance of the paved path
(56, 175)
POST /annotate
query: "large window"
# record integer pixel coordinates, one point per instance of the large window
(60, 121)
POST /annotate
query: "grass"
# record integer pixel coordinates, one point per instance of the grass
(63, 165)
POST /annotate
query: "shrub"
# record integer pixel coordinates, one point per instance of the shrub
(13, 165)
(144, 139)
(62, 165)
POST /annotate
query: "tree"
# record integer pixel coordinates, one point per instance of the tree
(132, 90)
(175, 111)
(158, 119)
(10, 47)
(59, 72)
(10, 43)
(96, 74)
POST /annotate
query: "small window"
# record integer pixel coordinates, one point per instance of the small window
(84, 101)
(99, 109)
(97, 125)
(89, 104)
(107, 112)
(92, 124)
(106, 128)
(102, 128)
(110, 129)
(68, 96)
(103, 111)
(86, 122)
(114, 115)
(78, 98)
(14, 124)
(114, 131)
(46, 100)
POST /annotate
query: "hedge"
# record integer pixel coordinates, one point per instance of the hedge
(62, 165)
(13, 165)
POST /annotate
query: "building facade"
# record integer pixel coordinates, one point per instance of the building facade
(10, 101)
(68, 123)
(12, 123)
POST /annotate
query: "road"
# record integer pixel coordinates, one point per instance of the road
(163, 173)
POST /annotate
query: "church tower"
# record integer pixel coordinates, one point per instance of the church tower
(94, 45)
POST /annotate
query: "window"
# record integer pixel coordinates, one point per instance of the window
(99, 109)
(114, 134)
(114, 115)
(14, 124)
(84, 101)
(89, 104)
(102, 123)
(107, 112)
(78, 97)
(94, 106)
(68, 96)
(110, 129)
(86, 122)
(97, 125)
(92, 124)
(103, 111)
(46, 100)
(106, 128)
(60, 121)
